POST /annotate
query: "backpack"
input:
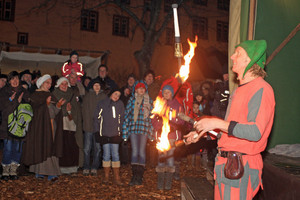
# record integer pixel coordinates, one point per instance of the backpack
(18, 121)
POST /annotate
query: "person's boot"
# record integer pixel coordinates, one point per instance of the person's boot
(160, 177)
(140, 174)
(13, 171)
(5, 172)
(116, 171)
(106, 166)
(169, 177)
(134, 175)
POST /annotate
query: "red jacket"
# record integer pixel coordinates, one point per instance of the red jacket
(68, 66)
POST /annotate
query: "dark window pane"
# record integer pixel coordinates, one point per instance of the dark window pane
(89, 20)
(120, 25)
(22, 38)
(7, 10)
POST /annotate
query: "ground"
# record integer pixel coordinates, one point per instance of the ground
(89, 187)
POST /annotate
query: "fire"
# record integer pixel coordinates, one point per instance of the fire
(160, 105)
(185, 69)
(164, 144)
(161, 109)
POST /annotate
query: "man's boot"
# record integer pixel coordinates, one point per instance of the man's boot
(160, 177)
(169, 177)
(13, 171)
(106, 166)
(116, 170)
(5, 172)
(134, 175)
(140, 174)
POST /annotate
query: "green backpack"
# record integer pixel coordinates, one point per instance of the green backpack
(18, 121)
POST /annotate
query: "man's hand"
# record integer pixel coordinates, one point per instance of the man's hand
(192, 137)
(210, 123)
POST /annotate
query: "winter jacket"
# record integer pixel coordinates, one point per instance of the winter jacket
(68, 66)
(175, 123)
(7, 107)
(141, 126)
(107, 82)
(90, 101)
(109, 117)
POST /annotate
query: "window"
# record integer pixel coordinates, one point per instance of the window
(89, 20)
(7, 10)
(201, 2)
(222, 31)
(223, 5)
(200, 27)
(120, 25)
(170, 36)
(22, 38)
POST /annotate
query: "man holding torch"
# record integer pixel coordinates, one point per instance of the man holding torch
(246, 127)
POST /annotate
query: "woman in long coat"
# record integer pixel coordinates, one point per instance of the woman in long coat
(72, 121)
(43, 144)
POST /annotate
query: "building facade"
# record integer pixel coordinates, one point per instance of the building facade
(57, 27)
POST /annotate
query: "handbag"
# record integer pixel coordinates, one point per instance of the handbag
(234, 167)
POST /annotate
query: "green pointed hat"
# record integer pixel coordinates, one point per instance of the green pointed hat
(256, 50)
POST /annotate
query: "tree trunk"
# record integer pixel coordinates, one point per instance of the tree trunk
(144, 55)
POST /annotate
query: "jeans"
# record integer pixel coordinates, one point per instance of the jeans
(166, 159)
(89, 142)
(111, 150)
(138, 149)
(12, 151)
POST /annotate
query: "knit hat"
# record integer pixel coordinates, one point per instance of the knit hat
(113, 90)
(256, 50)
(26, 71)
(60, 80)
(73, 53)
(139, 85)
(168, 87)
(3, 76)
(11, 75)
(42, 79)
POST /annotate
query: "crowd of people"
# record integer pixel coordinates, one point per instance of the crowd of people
(78, 122)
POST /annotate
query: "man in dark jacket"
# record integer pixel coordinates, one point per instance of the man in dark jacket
(104, 79)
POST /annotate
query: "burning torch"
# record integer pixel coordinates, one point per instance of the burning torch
(178, 46)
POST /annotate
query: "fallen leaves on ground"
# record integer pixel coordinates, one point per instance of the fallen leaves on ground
(91, 187)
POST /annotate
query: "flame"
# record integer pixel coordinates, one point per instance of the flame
(160, 105)
(164, 144)
(161, 109)
(185, 69)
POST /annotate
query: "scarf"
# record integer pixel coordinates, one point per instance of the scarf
(146, 105)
